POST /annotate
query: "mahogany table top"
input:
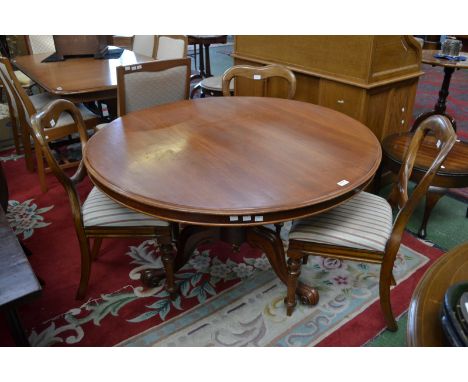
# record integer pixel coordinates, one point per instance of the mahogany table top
(83, 78)
(428, 58)
(424, 327)
(456, 163)
(232, 160)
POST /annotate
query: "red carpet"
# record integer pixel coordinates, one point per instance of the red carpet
(457, 101)
(56, 260)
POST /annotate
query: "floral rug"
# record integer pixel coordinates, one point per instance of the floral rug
(226, 298)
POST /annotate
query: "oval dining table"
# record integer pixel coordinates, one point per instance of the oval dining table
(225, 167)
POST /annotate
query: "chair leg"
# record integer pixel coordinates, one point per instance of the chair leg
(294, 270)
(27, 148)
(96, 247)
(384, 291)
(14, 130)
(168, 257)
(432, 197)
(40, 168)
(85, 266)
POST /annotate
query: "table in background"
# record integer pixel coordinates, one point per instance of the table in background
(204, 59)
(453, 174)
(449, 68)
(78, 79)
(225, 166)
(424, 327)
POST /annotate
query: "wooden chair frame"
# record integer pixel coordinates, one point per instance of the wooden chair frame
(261, 73)
(13, 118)
(298, 250)
(26, 110)
(175, 37)
(154, 66)
(40, 124)
(11, 83)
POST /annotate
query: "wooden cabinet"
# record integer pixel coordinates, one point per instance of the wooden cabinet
(370, 78)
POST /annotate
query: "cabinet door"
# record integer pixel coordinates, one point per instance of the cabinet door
(342, 97)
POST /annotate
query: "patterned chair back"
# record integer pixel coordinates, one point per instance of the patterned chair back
(153, 83)
(170, 47)
(144, 44)
(41, 44)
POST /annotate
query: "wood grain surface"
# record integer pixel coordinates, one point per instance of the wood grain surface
(424, 328)
(76, 76)
(428, 58)
(210, 161)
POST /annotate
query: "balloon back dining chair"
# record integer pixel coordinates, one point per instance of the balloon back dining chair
(170, 47)
(26, 106)
(362, 229)
(257, 79)
(152, 83)
(98, 217)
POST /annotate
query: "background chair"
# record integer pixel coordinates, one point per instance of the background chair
(144, 44)
(27, 106)
(170, 47)
(152, 83)
(99, 216)
(361, 228)
(40, 44)
(261, 76)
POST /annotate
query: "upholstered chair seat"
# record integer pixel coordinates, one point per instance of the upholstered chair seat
(43, 99)
(100, 210)
(215, 84)
(363, 222)
(24, 80)
(101, 126)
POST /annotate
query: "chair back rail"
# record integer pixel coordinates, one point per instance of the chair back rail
(45, 119)
(261, 73)
(170, 47)
(443, 130)
(152, 83)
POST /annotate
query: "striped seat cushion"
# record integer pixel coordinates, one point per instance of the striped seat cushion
(364, 222)
(100, 210)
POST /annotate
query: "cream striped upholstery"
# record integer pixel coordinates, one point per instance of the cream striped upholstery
(216, 84)
(101, 126)
(99, 210)
(42, 99)
(23, 78)
(364, 222)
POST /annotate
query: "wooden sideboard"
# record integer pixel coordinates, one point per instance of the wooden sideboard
(370, 78)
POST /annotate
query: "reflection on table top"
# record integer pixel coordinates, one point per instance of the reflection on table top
(232, 156)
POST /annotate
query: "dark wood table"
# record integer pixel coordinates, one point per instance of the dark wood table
(204, 59)
(226, 166)
(449, 68)
(82, 79)
(452, 174)
(424, 327)
(18, 282)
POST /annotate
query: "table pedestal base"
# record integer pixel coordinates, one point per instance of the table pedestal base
(258, 237)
